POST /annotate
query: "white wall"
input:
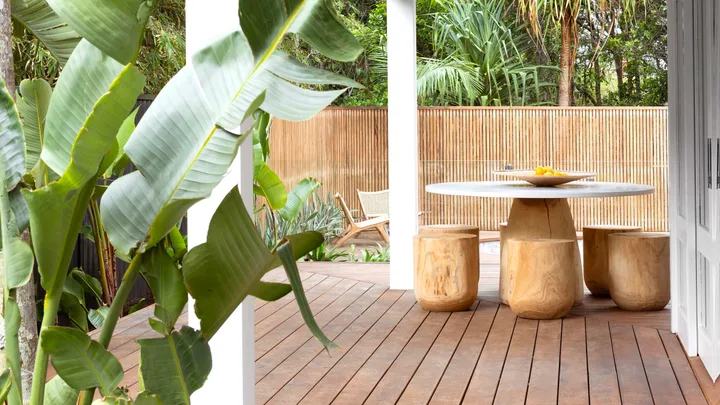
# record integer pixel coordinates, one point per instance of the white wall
(402, 139)
(233, 348)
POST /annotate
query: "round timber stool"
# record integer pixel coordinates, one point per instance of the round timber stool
(452, 228)
(543, 271)
(595, 255)
(505, 280)
(446, 271)
(639, 270)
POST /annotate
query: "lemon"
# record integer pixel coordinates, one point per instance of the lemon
(539, 170)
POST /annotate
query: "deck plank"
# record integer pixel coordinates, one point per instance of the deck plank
(325, 391)
(365, 380)
(634, 388)
(277, 354)
(513, 385)
(276, 318)
(689, 385)
(294, 390)
(263, 309)
(485, 378)
(573, 383)
(452, 386)
(291, 354)
(393, 383)
(543, 387)
(274, 380)
(265, 343)
(664, 387)
(427, 377)
(604, 389)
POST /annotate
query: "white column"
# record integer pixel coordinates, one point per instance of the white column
(402, 139)
(233, 347)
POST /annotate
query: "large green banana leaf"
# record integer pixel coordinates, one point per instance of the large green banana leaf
(188, 138)
(297, 198)
(175, 366)
(114, 27)
(166, 282)
(80, 361)
(143, 398)
(33, 99)
(93, 97)
(12, 140)
(220, 273)
(312, 20)
(5, 385)
(270, 186)
(11, 317)
(57, 392)
(46, 25)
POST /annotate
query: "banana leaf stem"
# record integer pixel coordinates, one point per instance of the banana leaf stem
(97, 230)
(114, 314)
(50, 310)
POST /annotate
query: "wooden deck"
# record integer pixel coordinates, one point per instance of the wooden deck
(393, 352)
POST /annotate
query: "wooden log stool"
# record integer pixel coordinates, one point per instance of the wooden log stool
(544, 277)
(451, 228)
(446, 271)
(595, 255)
(639, 270)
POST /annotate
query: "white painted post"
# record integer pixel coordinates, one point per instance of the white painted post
(402, 139)
(233, 347)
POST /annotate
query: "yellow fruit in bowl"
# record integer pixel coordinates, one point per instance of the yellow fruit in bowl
(548, 171)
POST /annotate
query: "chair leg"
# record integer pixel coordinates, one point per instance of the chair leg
(383, 233)
(348, 234)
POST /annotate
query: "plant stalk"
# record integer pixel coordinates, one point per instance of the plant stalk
(99, 251)
(52, 304)
(114, 314)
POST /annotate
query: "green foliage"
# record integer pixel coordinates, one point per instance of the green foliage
(182, 148)
(316, 214)
(324, 253)
(480, 58)
(381, 254)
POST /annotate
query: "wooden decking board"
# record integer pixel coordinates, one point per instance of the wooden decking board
(325, 391)
(513, 385)
(365, 380)
(393, 383)
(634, 388)
(603, 379)
(263, 309)
(274, 379)
(287, 311)
(265, 343)
(661, 378)
(276, 355)
(573, 382)
(486, 376)
(294, 390)
(427, 377)
(457, 375)
(710, 389)
(691, 390)
(542, 389)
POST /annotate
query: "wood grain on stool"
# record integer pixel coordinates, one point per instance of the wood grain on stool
(595, 257)
(447, 271)
(449, 228)
(504, 276)
(548, 218)
(544, 277)
(639, 270)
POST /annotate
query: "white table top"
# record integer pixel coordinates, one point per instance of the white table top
(521, 189)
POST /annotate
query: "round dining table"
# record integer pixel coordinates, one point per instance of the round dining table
(541, 212)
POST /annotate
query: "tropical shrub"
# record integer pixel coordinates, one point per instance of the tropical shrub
(181, 148)
(316, 214)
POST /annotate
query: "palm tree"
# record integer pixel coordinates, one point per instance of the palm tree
(565, 13)
(480, 58)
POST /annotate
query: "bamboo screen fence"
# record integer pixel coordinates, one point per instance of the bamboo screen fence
(346, 149)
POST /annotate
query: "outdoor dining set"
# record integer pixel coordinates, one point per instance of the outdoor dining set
(541, 268)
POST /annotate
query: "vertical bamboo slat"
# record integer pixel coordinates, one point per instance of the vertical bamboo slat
(346, 149)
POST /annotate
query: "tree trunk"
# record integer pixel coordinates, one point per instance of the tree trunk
(25, 295)
(598, 81)
(567, 61)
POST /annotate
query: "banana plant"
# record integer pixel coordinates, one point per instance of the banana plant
(182, 148)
